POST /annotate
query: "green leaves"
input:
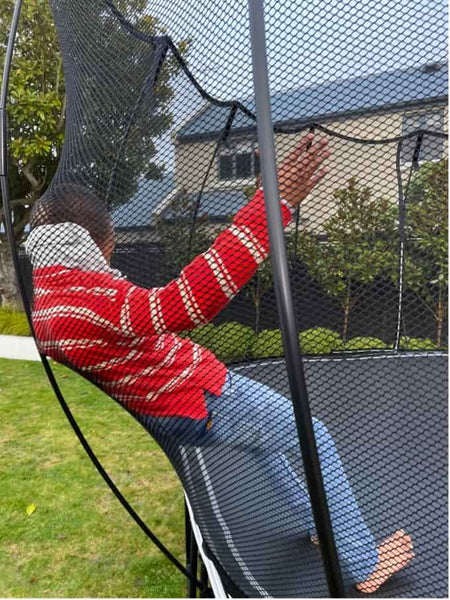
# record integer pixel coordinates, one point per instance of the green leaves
(36, 98)
(426, 228)
(361, 244)
(37, 106)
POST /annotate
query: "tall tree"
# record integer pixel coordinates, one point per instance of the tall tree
(361, 243)
(37, 109)
(426, 249)
(36, 119)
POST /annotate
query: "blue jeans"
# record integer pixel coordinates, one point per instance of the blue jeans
(255, 417)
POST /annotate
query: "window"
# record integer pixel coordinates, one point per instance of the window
(237, 160)
(431, 147)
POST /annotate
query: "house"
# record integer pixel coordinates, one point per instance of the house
(375, 107)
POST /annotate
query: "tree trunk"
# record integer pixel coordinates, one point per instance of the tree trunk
(257, 301)
(346, 308)
(9, 292)
(440, 321)
(257, 315)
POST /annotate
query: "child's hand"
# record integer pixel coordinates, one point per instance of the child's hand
(300, 172)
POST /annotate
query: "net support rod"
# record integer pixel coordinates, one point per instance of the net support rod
(282, 286)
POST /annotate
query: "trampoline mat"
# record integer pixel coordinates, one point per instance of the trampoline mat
(388, 417)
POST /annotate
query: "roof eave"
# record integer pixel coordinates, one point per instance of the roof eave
(303, 123)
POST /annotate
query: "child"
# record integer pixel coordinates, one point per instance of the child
(123, 338)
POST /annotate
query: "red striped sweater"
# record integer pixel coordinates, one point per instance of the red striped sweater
(123, 337)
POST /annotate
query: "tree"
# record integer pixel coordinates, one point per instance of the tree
(426, 248)
(37, 108)
(361, 243)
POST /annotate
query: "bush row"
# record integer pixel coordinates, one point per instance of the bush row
(233, 341)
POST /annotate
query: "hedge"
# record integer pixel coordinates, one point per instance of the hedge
(319, 341)
(409, 343)
(229, 342)
(268, 344)
(13, 322)
(364, 343)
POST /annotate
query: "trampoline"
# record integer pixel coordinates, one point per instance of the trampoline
(302, 402)
(408, 476)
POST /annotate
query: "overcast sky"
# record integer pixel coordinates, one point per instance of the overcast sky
(308, 41)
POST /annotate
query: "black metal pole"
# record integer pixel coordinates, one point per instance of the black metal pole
(191, 553)
(282, 286)
(204, 580)
(4, 188)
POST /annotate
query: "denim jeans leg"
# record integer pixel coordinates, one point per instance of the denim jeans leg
(254, 415)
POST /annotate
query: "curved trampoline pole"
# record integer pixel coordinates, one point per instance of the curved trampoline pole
(285, 305)
(4, 187)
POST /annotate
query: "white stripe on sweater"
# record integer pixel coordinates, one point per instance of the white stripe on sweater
(150, 370)
(189, 301)
(125, 319)
(75, 312)
(99, 291)
(156, 314)
(171, 385)
(69, 343)
(113, 362)
(215, 262)
(247, 238)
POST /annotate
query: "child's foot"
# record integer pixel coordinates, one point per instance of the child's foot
(393, 555)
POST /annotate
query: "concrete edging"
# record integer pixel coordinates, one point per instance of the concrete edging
(18, 347)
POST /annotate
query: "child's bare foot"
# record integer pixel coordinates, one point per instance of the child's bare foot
(393, 555)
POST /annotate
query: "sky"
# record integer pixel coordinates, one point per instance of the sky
(307, 41)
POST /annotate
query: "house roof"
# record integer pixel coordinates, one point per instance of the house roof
(139, 211)
(344, 97)
(218, 205)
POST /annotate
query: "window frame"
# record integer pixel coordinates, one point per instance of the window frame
(422, 117)
(234, 148)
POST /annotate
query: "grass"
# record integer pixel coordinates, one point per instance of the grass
(13, 322)
(79, 542)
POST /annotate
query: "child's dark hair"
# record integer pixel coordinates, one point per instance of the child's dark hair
(73, 203)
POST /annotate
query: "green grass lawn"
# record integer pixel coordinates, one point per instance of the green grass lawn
(79, 541)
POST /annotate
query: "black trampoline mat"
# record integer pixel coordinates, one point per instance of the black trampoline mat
(388, 417)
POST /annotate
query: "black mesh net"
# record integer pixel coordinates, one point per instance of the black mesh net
(161, 135)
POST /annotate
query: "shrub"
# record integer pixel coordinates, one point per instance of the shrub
(229, 341)
(232, 341)
(319, 341)
(268, 344)
(203, 335)
(409, 343)
(13, 322)
(364, 343)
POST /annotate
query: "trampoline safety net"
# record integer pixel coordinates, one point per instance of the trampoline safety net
(161, 167)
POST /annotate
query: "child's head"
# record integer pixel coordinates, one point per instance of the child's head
(72, 203)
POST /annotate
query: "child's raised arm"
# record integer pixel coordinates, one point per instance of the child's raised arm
(213, 278)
